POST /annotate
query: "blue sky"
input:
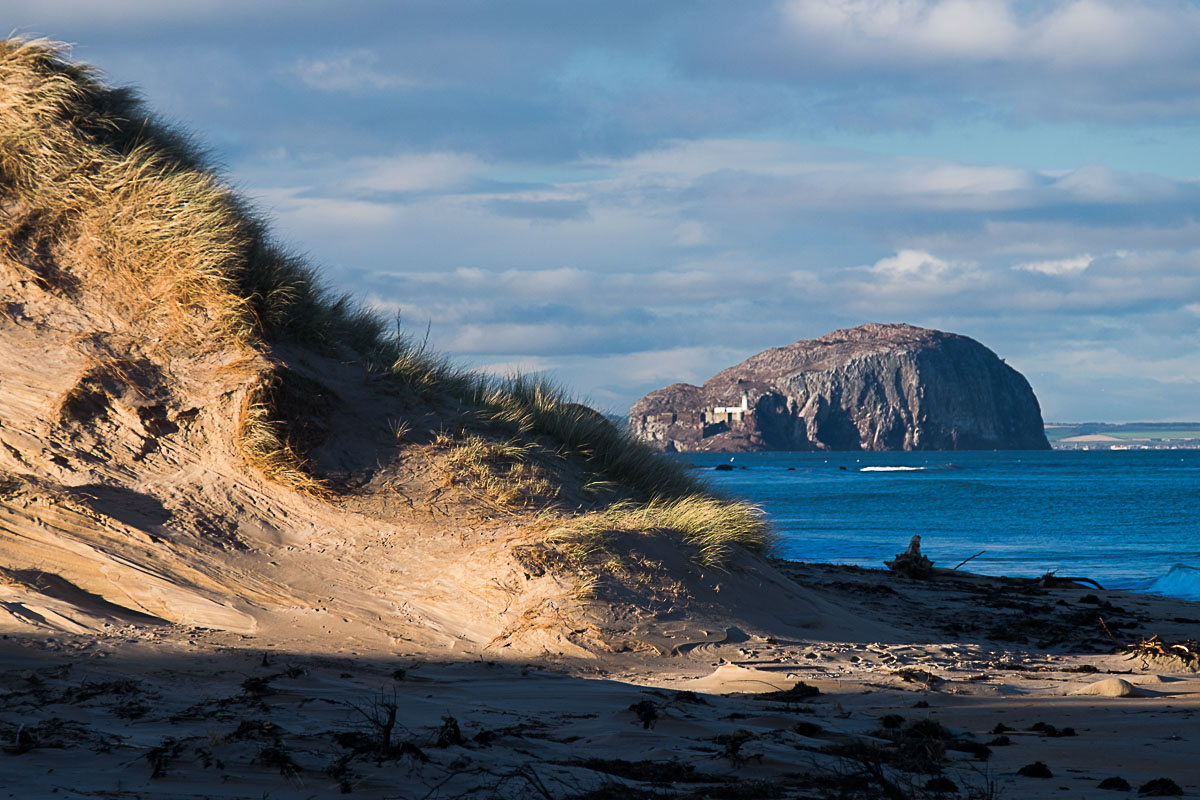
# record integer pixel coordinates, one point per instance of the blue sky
(628, 194)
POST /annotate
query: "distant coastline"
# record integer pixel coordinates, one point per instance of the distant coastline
(1124, 436)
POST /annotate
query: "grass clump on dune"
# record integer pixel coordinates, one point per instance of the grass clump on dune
(531, 406)
(117, 200)
(512, 474)
(266, 446)
(711, 525)
(95, 192)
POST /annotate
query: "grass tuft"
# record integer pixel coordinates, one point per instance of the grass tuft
(511, 473)
(531, 406)
(712, 525)
(267, 448)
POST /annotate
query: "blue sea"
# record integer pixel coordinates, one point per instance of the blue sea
(1127, 519)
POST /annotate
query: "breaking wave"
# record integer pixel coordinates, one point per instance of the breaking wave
(892, 469)
(1181, 581)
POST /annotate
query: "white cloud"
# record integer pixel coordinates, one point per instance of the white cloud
(786, 176)
(611, 303)
(1062, 266)
(554, 283)
(724, 193)
(934, 177)
(411, 172)
(353, 71)
(611, 289)
(317, 213)
(677, 364)
(971, 29)
(1069, 34)
(1083, 33)
(143, 12)
(1099, 362)
(910, 264)
(1097, 183)
(535, 337)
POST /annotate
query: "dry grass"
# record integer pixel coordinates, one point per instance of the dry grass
(124, 204)
(512, 474)
(116, 210)
(529, 406)
(266, 447)
(711, 525)
(95, 192)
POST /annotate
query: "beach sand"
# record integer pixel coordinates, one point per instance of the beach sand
(978, 679)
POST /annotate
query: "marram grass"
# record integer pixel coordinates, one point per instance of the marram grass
(266, 448)
(130, 205)
(709, 524)
(508, 473)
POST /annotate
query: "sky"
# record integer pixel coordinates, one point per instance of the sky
(623, 195)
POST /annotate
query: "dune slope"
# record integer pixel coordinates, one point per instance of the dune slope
(195, 433)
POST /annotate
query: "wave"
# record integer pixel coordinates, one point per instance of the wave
(1181, 581)
(892, 469)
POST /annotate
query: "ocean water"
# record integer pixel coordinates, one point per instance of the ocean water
(1127, 519)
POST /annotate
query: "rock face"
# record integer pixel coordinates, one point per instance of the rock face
(874, 387)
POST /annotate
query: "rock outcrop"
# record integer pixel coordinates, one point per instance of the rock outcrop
(874, 387)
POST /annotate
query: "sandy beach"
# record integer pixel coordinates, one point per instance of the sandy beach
(952, 696)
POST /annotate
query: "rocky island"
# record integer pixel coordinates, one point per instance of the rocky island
(874, 387)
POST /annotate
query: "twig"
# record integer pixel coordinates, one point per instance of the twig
(965, 560)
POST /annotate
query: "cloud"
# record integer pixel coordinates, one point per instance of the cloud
(510, 369)
(860, 29)
(1112, 362)
(143, 12)
(354, 71)
(1090, 33)
(879, 65)
(303, 211)
(691, 233)
(612, 380)
(1057, 34)
(911, 264)
(1096, 183)
(1062, 266)
(664, 247)
(409, 172)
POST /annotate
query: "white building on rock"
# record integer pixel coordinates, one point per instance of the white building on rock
(729, 413)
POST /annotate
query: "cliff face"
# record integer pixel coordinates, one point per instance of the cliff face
(874, 387)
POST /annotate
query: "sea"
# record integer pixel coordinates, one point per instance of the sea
(1128, 519)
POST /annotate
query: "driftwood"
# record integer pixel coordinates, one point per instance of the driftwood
(1187, 651)
(1052, 581)
(965, 560)
(910, 563)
